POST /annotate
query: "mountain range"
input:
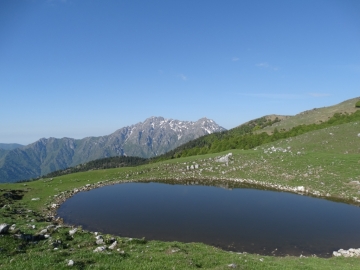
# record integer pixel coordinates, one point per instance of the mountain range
(154, 136)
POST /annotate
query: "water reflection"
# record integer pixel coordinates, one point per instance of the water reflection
(233, 217)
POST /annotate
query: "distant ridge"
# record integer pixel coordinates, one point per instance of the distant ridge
(154, 136)
(10, 146)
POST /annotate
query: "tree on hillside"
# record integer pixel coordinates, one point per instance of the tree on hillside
(357, 105)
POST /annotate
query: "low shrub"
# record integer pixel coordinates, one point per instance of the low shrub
(357, 105)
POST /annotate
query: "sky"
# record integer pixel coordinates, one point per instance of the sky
(72, 68)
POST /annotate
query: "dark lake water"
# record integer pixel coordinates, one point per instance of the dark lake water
(238, 219)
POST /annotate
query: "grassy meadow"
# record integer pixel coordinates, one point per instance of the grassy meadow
(325, 162)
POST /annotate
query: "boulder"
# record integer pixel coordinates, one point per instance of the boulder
(100, 241)
(72, 232)
(113, 245)
(4, 228)
(100, 249)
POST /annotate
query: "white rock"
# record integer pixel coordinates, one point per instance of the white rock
(44, 231)
(72, 232)
(100, 249)
(70, 263)
(232, 265)
(54, 205)
(35, 199)
(345, 253)
(100, 241)
(4, 228)
(300, 188)
(113, 245)
(336, 254)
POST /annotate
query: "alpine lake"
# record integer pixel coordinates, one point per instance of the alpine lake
(227, 215)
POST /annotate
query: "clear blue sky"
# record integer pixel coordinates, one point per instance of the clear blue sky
(71, 68)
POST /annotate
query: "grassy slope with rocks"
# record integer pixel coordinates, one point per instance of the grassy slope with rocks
(325, 162)
(232, 139)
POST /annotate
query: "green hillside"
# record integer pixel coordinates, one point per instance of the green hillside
(315, 116)
(248, 136)
(316, 160)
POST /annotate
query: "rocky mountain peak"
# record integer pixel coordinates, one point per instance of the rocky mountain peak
(154, 136)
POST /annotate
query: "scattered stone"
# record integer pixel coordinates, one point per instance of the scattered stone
(4, 228)
(232, 265)
(100, 241)
(224, 159)
(12, 227)
(44, 231)
(35, 199)
(352, 252)
(70, 263)
(113, 245)
(99, 237)
(355, 183)
(100, 249)
(72, 232)
(112, 240)
(336, 254)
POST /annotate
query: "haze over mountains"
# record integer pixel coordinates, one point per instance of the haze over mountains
(10, 146)
(154, 136)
